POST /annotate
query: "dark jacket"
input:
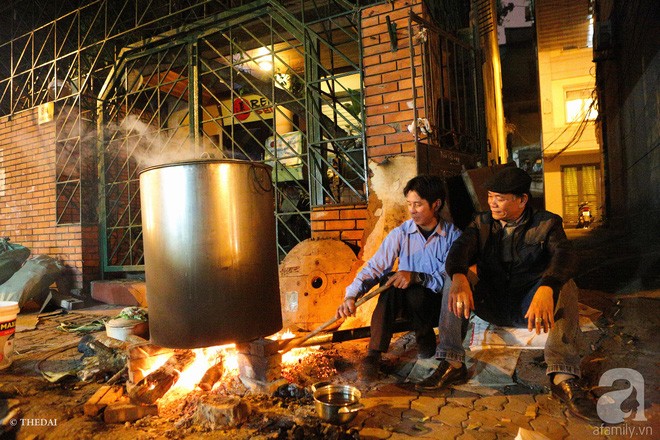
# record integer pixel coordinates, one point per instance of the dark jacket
(541, 252)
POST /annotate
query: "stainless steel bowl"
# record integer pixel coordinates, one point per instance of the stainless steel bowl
(336, 404)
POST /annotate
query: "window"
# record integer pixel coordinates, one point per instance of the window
(580, 105)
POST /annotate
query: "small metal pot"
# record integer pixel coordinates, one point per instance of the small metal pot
(336, 404)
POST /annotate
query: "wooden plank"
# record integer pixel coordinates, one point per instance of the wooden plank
(103, 397)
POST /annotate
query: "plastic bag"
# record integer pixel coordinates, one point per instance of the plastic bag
(31, 282)
(12, 257)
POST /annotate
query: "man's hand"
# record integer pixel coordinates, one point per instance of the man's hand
(460, 299)
(346, 309)
(540, 314)
(401, 279)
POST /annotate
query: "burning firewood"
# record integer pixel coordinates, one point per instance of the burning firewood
(211, 376)
(153, 386)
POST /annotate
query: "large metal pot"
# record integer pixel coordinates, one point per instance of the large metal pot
(210, 252)
(336, 404)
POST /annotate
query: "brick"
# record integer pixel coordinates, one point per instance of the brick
(385, 150)
(326, 234)
(120, 292)
(380, 129)
(340, 224)
(260, 347)
(355, 235)
(318, 225)
(327, 214)
(128, 412)
(381, 68)
(360, 213)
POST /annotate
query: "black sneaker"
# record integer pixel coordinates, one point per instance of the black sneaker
(444, 376)
(577, 399)
(369, 367)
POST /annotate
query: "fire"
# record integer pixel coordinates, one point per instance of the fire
(297, 354)
(206, 358)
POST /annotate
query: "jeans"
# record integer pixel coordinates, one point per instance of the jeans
(416, 303)
(561, 349)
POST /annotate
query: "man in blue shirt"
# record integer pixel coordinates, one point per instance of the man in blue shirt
(420, 245)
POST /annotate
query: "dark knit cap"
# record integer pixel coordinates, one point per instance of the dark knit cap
(509, 180)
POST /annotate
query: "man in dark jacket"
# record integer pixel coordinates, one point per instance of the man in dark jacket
(524, 264)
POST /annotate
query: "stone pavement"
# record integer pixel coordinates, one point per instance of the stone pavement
(617, 276)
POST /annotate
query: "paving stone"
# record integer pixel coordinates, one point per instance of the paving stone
(452, 415)
(428, 406)
(549, 406)
(380, 418)
(514, 420)
(463, 399)
(442, 431)
(518, 403)
(580, 429)
(551, 427)
(374, 433)
(491, 421)
(412, 428)
(490, 402)
(477, 435)
(400, 403)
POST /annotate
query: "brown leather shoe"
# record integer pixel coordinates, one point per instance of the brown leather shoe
(577, 399)
(444, 376)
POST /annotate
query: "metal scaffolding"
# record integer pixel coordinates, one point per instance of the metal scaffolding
(138, 82)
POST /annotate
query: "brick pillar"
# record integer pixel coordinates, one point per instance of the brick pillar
(388, 83)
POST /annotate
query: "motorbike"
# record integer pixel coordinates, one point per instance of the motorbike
(584, 216)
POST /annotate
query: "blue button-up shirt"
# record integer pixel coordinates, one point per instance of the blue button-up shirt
(415, 254)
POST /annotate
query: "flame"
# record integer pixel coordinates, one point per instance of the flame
(207, 357)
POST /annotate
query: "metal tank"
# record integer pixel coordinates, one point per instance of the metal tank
(210, 253)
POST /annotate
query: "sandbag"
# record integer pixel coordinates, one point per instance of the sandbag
(12, 257)
(31, 282)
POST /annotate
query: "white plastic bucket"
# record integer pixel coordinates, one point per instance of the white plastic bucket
(8, 312)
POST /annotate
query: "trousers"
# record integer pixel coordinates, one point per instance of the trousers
(419, 305)
(562, 347)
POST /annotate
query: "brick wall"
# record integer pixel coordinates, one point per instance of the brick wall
(28, 198)
(341, 222)
(388, 96)
(388, 84)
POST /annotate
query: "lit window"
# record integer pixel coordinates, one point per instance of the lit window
(580, 105)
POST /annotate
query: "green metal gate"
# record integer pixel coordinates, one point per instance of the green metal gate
(254, 83)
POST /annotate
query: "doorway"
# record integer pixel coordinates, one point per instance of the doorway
(580, 183)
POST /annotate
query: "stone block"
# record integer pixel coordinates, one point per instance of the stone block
(120, 292)
(222, 412)
(265, 369)
(259, 347)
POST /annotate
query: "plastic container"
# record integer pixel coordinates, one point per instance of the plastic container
(8, 312)
(122, 328)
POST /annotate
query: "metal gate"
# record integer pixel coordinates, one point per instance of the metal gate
(253, 83)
